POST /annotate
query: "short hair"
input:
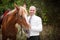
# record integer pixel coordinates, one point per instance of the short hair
(33, 7)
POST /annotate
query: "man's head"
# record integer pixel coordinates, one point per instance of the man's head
(32, 10)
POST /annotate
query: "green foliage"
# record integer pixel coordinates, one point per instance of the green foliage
(9, 4)
(53, 12)
(6, 4)
(44, 11)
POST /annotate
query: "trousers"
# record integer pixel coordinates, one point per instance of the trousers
(34, 38)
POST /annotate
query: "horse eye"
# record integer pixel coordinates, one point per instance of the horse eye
(21, 16)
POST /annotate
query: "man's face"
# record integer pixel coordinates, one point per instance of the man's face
(32, 10)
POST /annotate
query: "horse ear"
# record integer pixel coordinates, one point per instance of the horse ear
(16, 6)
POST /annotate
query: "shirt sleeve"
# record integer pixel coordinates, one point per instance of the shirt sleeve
(37, 26)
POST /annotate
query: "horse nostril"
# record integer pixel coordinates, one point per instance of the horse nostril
(21, 16)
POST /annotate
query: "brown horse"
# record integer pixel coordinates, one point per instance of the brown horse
(1, 17)
(8, 24)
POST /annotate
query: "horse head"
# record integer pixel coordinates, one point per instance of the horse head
(17, 15)
(22, 16)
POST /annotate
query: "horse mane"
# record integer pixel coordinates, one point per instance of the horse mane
(23, 10)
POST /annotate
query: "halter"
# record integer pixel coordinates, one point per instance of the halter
(20, 16)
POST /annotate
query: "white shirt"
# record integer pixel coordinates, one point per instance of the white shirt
(36, 25)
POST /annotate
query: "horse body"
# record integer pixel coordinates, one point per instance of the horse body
(8, 28)
(3, 15)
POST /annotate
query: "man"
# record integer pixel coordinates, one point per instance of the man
(35, 23)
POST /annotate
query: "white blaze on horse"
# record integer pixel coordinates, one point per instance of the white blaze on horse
(18, 15)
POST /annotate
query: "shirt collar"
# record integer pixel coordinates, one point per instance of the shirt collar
(33, 15)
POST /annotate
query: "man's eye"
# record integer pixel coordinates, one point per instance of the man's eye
(32, 10)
